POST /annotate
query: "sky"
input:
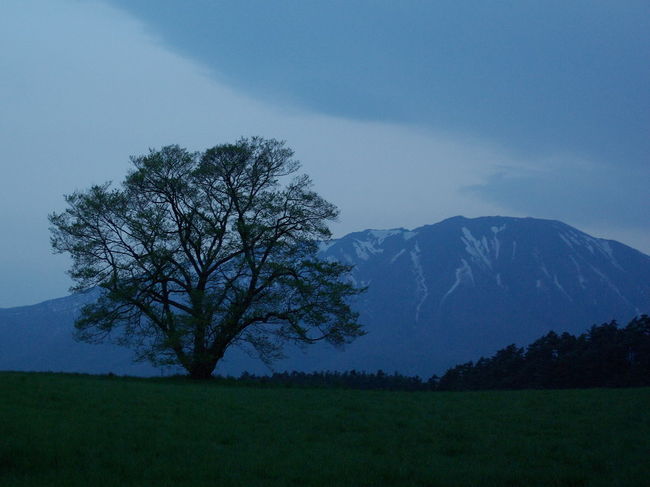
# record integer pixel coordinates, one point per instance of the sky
(403, 113)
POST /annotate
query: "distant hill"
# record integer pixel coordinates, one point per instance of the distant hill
(39, 338)
(437, 296)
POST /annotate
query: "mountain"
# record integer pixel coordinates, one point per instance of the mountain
(462, 288)
(39, 338)
(437, 295)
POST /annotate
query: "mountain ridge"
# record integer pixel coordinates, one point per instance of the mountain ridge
(438, 295)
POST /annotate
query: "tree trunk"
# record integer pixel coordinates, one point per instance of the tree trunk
(204, 363)
(202, 370)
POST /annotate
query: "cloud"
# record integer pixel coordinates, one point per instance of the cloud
(83, 87)
(579, 191)
(610, 201)
(537, 76)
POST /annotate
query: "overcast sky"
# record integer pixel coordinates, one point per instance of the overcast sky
(404, 113)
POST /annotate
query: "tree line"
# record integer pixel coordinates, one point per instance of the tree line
(606, 355)
(352, 379)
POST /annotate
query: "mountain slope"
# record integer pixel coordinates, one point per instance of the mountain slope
(39, 338)
(465, 287)
(437, 295)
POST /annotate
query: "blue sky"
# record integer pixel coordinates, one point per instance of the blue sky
(404, 113)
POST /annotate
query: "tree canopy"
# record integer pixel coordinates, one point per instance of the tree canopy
(196, 252)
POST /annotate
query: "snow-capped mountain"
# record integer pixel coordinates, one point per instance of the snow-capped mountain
(455, 290)
(437, 295)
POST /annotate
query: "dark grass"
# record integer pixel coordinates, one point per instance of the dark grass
(67, 430)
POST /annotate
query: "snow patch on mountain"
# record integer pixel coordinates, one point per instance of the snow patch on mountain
(397, 256)
(581, 278)
(463, 273)
(575, 241)
(365, 249)
(326, 245)
(381, 235)
(606, 249)
(609, 283)
(561, 288)
(495, 239)
(499, 281)
(478, 249)
(422, 289)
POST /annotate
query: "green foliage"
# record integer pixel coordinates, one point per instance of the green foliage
(196, 252)
(604, 356)
(64, 430)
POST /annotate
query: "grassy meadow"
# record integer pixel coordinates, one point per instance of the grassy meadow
(74, 430)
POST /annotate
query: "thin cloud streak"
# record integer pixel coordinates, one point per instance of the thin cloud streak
(579, 191)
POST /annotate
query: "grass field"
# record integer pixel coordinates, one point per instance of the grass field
(67, 430)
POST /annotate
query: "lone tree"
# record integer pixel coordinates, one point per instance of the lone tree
(196, 252)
